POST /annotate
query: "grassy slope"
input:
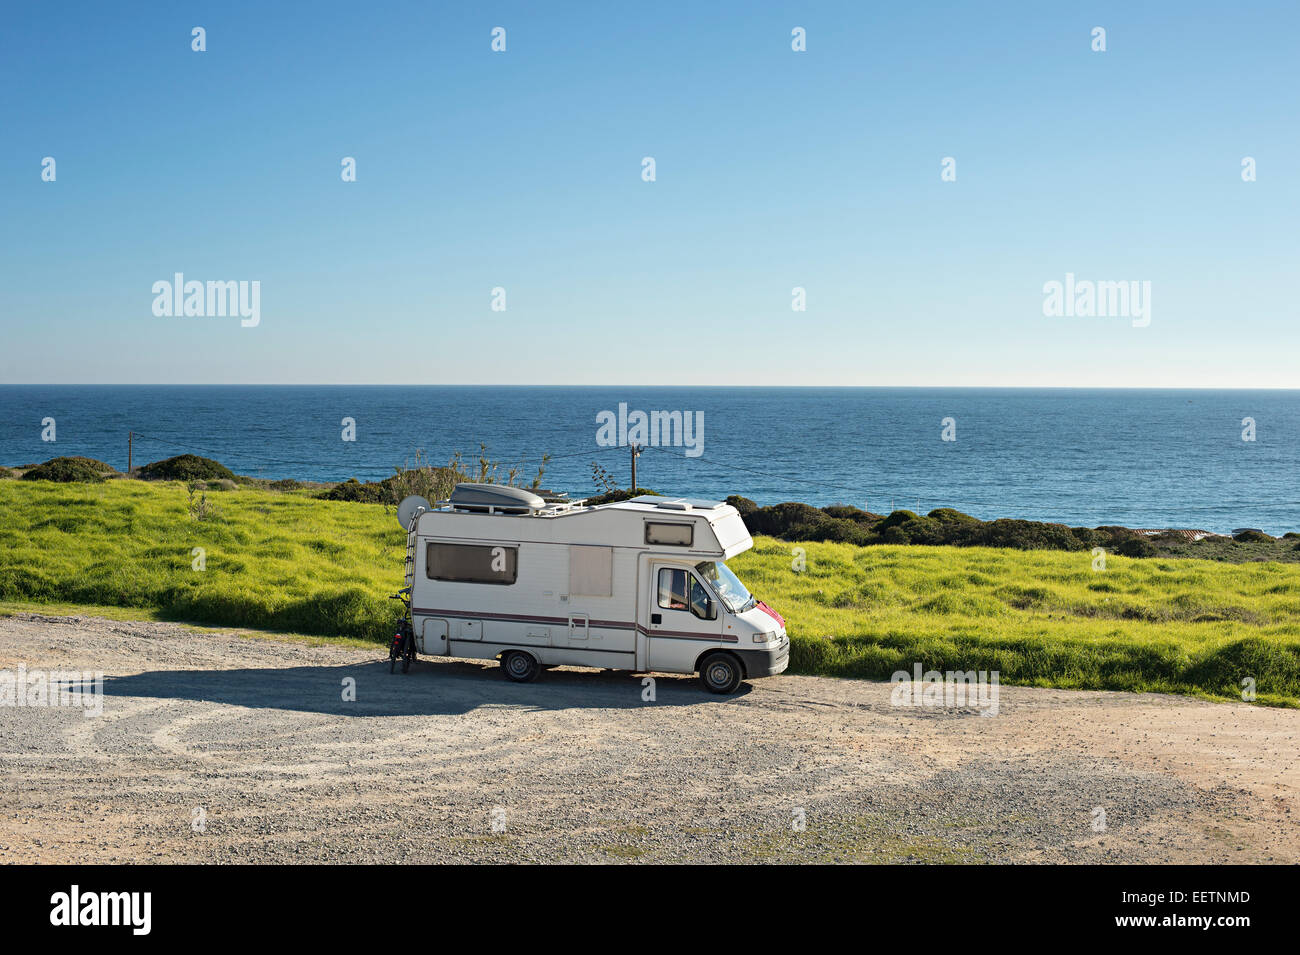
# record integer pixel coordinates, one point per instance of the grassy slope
(285, 561)
(274, 560)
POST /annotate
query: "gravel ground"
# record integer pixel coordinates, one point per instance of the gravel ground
(221, 747)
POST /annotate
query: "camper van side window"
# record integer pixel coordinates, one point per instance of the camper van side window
(672, 589)
(472, 563)
(678, 535)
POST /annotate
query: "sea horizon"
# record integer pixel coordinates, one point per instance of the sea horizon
(1211, 459)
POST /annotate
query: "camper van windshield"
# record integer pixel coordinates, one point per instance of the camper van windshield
(727, 585)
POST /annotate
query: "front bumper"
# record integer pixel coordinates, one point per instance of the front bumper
(766, 662)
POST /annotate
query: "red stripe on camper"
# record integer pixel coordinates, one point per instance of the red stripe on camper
(604, 624)
(771, 613)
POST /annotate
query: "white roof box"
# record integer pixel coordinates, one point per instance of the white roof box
(495, 497)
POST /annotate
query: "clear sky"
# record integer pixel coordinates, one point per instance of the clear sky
(522, 170)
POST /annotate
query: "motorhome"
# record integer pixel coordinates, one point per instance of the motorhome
(498, 572)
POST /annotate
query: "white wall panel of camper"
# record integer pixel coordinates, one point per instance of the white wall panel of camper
(636, 585)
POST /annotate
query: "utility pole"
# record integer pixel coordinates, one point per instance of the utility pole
(636, 453)
(130, 436)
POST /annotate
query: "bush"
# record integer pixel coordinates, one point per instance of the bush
(1252, 537)
(894, 519)
(855, 514)
(1111, 536)
(781, 520)
(372, 492)
(742, 504)
(5, 473)
(80, 469)
(1136, 546)
(222, 485)
(186, 467)
(618, 494)
(947, 515)
(1025, 535)
(905, 527)
(288, 484)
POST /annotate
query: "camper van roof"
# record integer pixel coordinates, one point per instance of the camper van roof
(676, 503)
(502, 499)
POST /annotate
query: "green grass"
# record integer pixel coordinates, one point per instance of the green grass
(278, 561)
(288, 562)
(1042, 618)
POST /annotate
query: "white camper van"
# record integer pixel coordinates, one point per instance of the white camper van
(637, 585)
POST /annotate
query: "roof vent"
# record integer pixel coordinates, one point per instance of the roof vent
(676, 503)
(495, 497)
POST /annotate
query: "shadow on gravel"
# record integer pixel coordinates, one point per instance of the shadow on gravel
(430, 689)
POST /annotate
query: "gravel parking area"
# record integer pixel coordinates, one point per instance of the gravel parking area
(222, 747)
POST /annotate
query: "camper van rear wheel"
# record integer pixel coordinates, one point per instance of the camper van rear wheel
(721, 673)
(519, 666)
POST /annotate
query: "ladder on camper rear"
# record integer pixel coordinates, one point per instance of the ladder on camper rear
(410, 557)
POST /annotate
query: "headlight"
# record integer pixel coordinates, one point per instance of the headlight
(765, 637)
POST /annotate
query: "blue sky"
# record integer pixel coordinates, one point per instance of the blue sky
(775, 169)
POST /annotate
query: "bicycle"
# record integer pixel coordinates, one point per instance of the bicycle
(403, 644)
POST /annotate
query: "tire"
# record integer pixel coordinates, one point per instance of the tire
(519, 666)
(721, 673)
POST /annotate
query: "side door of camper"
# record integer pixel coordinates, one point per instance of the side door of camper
(681, 617)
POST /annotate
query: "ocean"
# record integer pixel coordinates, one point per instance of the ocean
(1082, 457)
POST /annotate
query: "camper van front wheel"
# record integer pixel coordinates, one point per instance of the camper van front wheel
(721, 673)
(519, 666)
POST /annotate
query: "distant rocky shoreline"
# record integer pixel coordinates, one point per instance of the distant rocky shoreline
(791, 521)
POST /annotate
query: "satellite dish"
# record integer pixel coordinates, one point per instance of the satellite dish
(409, 507)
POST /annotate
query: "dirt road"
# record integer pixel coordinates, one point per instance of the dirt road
(218, 747)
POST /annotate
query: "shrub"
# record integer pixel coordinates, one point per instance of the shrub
(1252, 537)
(70, 469)
(947, 515)
(1136, 546)
(372, 492)
(1086, 536)
(618, 494)
(5, 473)
(780, 520)
(1111, 536)
(1026, 535)
(433, 482)
(905, 527)
(894, 519)
(742, 504)
(186, 467)
(855, 514)
(288, 484)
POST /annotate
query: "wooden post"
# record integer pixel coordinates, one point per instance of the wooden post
(130, 436)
